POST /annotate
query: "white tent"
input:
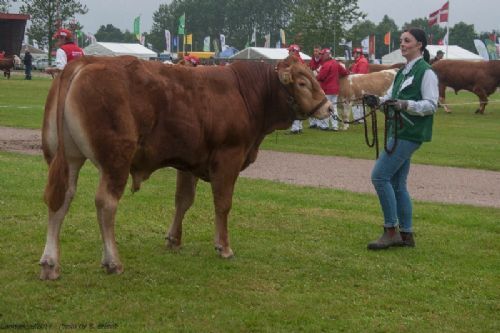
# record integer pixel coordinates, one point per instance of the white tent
(455, 52)
(256, 53)
(118, 49)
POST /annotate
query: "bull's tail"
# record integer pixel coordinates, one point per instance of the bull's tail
(58, 180)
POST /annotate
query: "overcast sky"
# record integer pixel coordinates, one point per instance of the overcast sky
(484, 14)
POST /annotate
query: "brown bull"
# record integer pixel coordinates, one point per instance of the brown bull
(6, 64)
(133, 117)
(480, 77)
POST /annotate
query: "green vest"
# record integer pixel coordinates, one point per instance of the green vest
(415, 128)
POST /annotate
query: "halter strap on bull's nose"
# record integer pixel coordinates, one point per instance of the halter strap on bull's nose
(319, 106)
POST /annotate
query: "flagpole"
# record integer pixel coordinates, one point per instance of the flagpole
(184, 36)
(448, 30)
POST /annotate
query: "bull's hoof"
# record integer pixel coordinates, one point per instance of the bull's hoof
(112, 267)
(173, 243)
(50, 270)
(478, 111)
(224, 252)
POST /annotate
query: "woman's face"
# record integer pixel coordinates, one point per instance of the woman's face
(410, 47)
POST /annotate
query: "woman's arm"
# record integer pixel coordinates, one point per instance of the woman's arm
(430, 95)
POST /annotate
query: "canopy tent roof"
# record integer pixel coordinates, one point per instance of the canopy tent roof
(33, 50)
(118, 49)
(256, 53)
(455, 52)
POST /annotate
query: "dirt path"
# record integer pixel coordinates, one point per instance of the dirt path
(427, 183)
(19, 140)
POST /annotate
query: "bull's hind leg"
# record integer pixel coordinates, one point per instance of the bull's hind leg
(109, 192)
(50, 259)
(184, 198)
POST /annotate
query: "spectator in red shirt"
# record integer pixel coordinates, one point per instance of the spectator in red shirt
(360, 66)
(315, 62)
(67, 51)
(328, 78)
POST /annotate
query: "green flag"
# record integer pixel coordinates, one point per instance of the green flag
(137, 27)
(182, 24)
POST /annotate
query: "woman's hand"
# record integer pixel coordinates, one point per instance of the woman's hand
(398, 104)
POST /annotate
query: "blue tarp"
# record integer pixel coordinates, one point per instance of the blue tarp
(228, 52)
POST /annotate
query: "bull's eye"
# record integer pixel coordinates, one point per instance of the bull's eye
(302, 84)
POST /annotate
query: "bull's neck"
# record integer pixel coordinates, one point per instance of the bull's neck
(266, 100)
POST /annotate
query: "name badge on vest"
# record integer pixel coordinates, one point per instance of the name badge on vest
(406, 83)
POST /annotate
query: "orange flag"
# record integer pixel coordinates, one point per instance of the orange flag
(387, 38)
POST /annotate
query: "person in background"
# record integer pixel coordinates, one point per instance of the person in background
(67, 51)
(28, 64)
(2, 55)
(328, 78)
(190, 61)
(439, 56)
(414, 93)
(294, 51)
(315, 65)
(359, 66)
(315, 62)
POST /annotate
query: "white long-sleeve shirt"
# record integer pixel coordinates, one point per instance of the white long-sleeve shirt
(429, 89)
(61, 59)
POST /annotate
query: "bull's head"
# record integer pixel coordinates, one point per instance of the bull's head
(306, 97)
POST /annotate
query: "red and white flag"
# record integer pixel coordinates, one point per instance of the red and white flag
(440, 15)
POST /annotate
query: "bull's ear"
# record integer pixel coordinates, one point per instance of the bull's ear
(286, 76)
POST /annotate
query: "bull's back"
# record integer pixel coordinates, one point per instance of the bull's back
(459, 73)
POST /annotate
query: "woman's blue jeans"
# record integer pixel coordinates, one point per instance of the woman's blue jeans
(389, 179)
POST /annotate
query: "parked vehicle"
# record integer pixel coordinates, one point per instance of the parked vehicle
(41, 64)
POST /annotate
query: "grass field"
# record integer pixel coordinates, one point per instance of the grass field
(461, 139)
(300, 265)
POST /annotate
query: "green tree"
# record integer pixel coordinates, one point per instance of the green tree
(434, 33)
(386, 25)
(463, 35)
(359, 31)
(233, 18)
(110, 33)
(322, 22)
(5, 5)
(47, 16)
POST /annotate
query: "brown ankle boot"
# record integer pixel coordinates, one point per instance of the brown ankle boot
(390, 237)
(407, 238)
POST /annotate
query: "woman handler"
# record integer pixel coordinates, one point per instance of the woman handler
(414, 93)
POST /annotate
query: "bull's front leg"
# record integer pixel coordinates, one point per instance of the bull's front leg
(483, 99)
(184, 198)
(224, 172)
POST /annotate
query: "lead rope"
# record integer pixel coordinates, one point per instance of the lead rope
(374, 128)
(374, 142)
